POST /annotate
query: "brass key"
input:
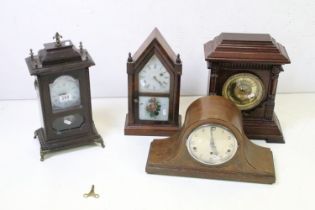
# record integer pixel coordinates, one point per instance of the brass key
(91, 193)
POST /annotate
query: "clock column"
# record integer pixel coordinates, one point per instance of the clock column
(275, 71)
(213, 78)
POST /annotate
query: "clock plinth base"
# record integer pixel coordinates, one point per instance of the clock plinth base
(268, 130)
(191, 172)
(255, 164)
(49, 146)
(152, 130)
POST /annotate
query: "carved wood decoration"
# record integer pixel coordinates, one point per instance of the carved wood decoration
(259, 55)
(63, 87)
(221, 151)
(154, 73)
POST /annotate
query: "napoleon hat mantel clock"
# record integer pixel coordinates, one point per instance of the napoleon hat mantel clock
(245, 69)
(154, 73)
(63, 87)
(212, 144)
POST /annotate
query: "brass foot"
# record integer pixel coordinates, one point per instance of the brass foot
(35, 135)
(42, 154)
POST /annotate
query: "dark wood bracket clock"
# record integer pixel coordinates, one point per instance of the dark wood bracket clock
(63, 87)
(212, 144)
(154, 73)
(245, 69)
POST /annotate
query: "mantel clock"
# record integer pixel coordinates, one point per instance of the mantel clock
(245, 69)
(63, 87)
(212, 144)
(154, 73)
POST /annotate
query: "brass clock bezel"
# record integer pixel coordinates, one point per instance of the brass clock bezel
(257, 81)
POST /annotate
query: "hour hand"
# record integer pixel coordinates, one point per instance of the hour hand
(158, 81)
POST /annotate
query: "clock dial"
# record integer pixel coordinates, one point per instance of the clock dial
(153, 108)
(64, 92)
(68, 122)
(244, 89)
(212, 144)
(154, 78)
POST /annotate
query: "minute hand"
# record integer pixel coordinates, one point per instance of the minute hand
(212, 144)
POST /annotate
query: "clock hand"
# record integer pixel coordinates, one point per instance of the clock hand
(162, 74)
(158, 81)
(240, 86)
(212, 144)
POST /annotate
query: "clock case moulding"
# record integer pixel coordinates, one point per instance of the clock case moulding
(259, 54)
(50, 63)
(170, 156)
(155, 44)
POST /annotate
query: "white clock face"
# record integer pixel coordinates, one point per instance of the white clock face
(64, 92)
(154, 78)
(153, 108)
(212, 144)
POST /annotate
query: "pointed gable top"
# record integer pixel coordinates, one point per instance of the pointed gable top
(155, 36)
(245, 47)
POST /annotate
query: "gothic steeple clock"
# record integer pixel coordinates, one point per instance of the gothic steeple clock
(63, 86)
(245, 69)
(154, 73)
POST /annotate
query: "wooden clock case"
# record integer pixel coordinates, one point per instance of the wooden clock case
(259, 54)
(52, 62)
(170, 156)
(155, 44)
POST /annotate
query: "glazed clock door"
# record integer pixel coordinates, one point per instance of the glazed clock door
(154, 92)
(67, 105)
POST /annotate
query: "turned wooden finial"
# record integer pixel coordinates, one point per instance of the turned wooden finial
(178, 60)
(31, 54)
(81, 47)
(58, 39)
(129, 57)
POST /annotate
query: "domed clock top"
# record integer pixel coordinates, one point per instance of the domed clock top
(59, 53)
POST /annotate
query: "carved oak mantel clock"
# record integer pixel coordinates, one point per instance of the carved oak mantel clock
(154, 73)
(212, 144)
(245, 69)
(63, 86)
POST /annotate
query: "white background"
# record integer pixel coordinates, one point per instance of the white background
(110, 29)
